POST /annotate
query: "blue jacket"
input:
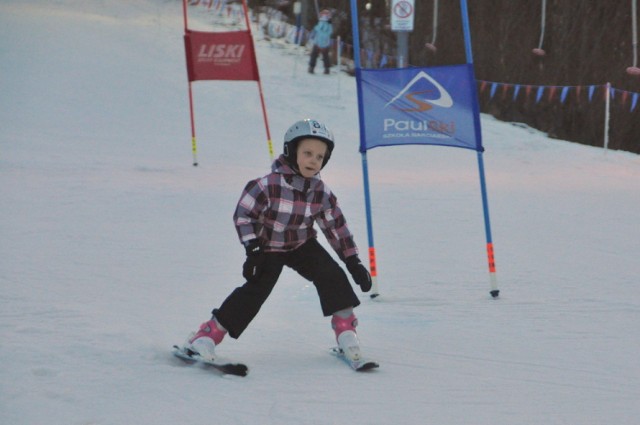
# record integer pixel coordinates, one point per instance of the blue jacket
(322, 34)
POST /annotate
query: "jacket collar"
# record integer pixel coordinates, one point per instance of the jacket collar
(293, 177)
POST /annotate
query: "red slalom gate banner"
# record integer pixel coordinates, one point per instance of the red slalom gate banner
(220, 56)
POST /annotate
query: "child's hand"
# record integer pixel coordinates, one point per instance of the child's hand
(253, 265)
(359, 273)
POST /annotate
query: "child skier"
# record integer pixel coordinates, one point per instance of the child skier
(321, 42)
(274, 220)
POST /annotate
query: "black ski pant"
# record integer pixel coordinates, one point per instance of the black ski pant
(312, 262)
(313, 59)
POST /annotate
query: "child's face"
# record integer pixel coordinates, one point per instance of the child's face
(310, 155)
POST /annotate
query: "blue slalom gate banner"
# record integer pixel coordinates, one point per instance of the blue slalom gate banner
(423, 106)
(419, 106)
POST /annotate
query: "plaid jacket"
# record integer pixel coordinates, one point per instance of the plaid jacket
(280, 208)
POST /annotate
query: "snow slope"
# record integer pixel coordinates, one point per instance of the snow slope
(113, 247)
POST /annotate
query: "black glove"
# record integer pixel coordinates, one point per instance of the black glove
(359, 273)
(254, 264)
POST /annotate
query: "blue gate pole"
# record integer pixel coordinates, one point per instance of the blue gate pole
(365, 168)
(493, 280)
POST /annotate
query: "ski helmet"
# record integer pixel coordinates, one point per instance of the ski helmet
(306, 128)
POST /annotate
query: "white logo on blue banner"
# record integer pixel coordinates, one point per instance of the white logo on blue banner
(423, 106)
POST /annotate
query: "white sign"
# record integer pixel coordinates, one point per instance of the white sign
(402, 15)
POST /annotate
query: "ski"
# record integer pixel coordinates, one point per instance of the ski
(191, 357)
(361, 365)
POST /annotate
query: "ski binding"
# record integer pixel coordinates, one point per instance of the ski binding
(361, 365)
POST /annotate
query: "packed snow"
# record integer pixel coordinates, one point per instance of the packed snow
(114, 247)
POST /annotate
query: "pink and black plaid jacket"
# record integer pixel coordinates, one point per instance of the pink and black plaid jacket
(280, 208)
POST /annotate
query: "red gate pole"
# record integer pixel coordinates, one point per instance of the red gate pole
(194, 146)
(264, 109)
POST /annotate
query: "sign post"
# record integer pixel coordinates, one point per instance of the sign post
(402, 17)
(297, 10)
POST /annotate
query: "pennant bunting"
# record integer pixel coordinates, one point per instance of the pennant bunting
(564, 91)
(540, 93)
(563, 94)
(516, 90)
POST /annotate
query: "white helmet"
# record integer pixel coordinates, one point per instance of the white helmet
(306, 128)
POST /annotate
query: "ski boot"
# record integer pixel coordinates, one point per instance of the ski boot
(206, 339)
(345, 329)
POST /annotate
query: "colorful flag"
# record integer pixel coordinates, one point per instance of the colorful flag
(419, 106)
(220, 56)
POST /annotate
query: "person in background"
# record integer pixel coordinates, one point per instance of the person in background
(321, 35)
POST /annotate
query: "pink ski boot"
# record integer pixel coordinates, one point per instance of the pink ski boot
(206, 339)
(345, 329)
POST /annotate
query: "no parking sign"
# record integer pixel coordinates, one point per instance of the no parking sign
(402, 13)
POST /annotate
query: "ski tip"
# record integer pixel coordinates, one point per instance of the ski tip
(368, 366)
(236, 369)
(361, 365)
